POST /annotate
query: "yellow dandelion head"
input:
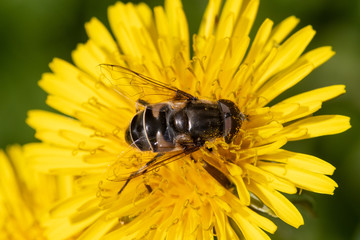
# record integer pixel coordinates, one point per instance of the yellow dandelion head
(218, 190)
(25, 196)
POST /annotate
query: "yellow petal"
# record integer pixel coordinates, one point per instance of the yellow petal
(228, 18)
(282, 82)
(99, 229)
(133, 37)
(227, 27)
(241, 189)
(87, 57)
(261, 38)
(299, 160)
(291, 49)
(266, 131)
(118, 16)
(246, 19)
(178, 24)
(235, 54)
(320, 94)
(61, 229)
(318, 56)
(9, 187)
(281, 31)
(100, 35)
(209, 18)
(252, 216)
(286, 112)
(264, 148)
(214, 65)
(62, 105)
(69, 206)
(50, 125)
(304, 179)
(220, 220)
(40, 119)
(207, 215)
(281, 206)
(249, 230)
(269, 179)
(147, 18)
(54, 160)
(161, 21)
(318, 126)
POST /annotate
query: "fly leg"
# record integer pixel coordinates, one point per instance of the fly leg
(140, 171)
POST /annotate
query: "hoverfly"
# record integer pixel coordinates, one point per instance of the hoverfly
(174, 127)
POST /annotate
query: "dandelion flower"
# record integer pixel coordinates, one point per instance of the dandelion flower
(227, 190)
(25, 197)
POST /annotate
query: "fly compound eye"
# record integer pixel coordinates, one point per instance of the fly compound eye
(231, 117)
(180, 121)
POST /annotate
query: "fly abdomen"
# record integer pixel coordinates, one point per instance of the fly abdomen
(135, 134)
(159, 133)
(149, 130)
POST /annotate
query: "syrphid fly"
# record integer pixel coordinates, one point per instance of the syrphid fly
(174, 127)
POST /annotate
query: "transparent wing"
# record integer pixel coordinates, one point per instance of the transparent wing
(136, 163)
(143, 162)
(128, 162)
(136, 86)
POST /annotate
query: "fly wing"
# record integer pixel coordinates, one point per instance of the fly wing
(138, 163)
(136, 86)
(156, 162)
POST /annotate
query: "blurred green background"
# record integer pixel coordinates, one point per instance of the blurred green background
(33, 32)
